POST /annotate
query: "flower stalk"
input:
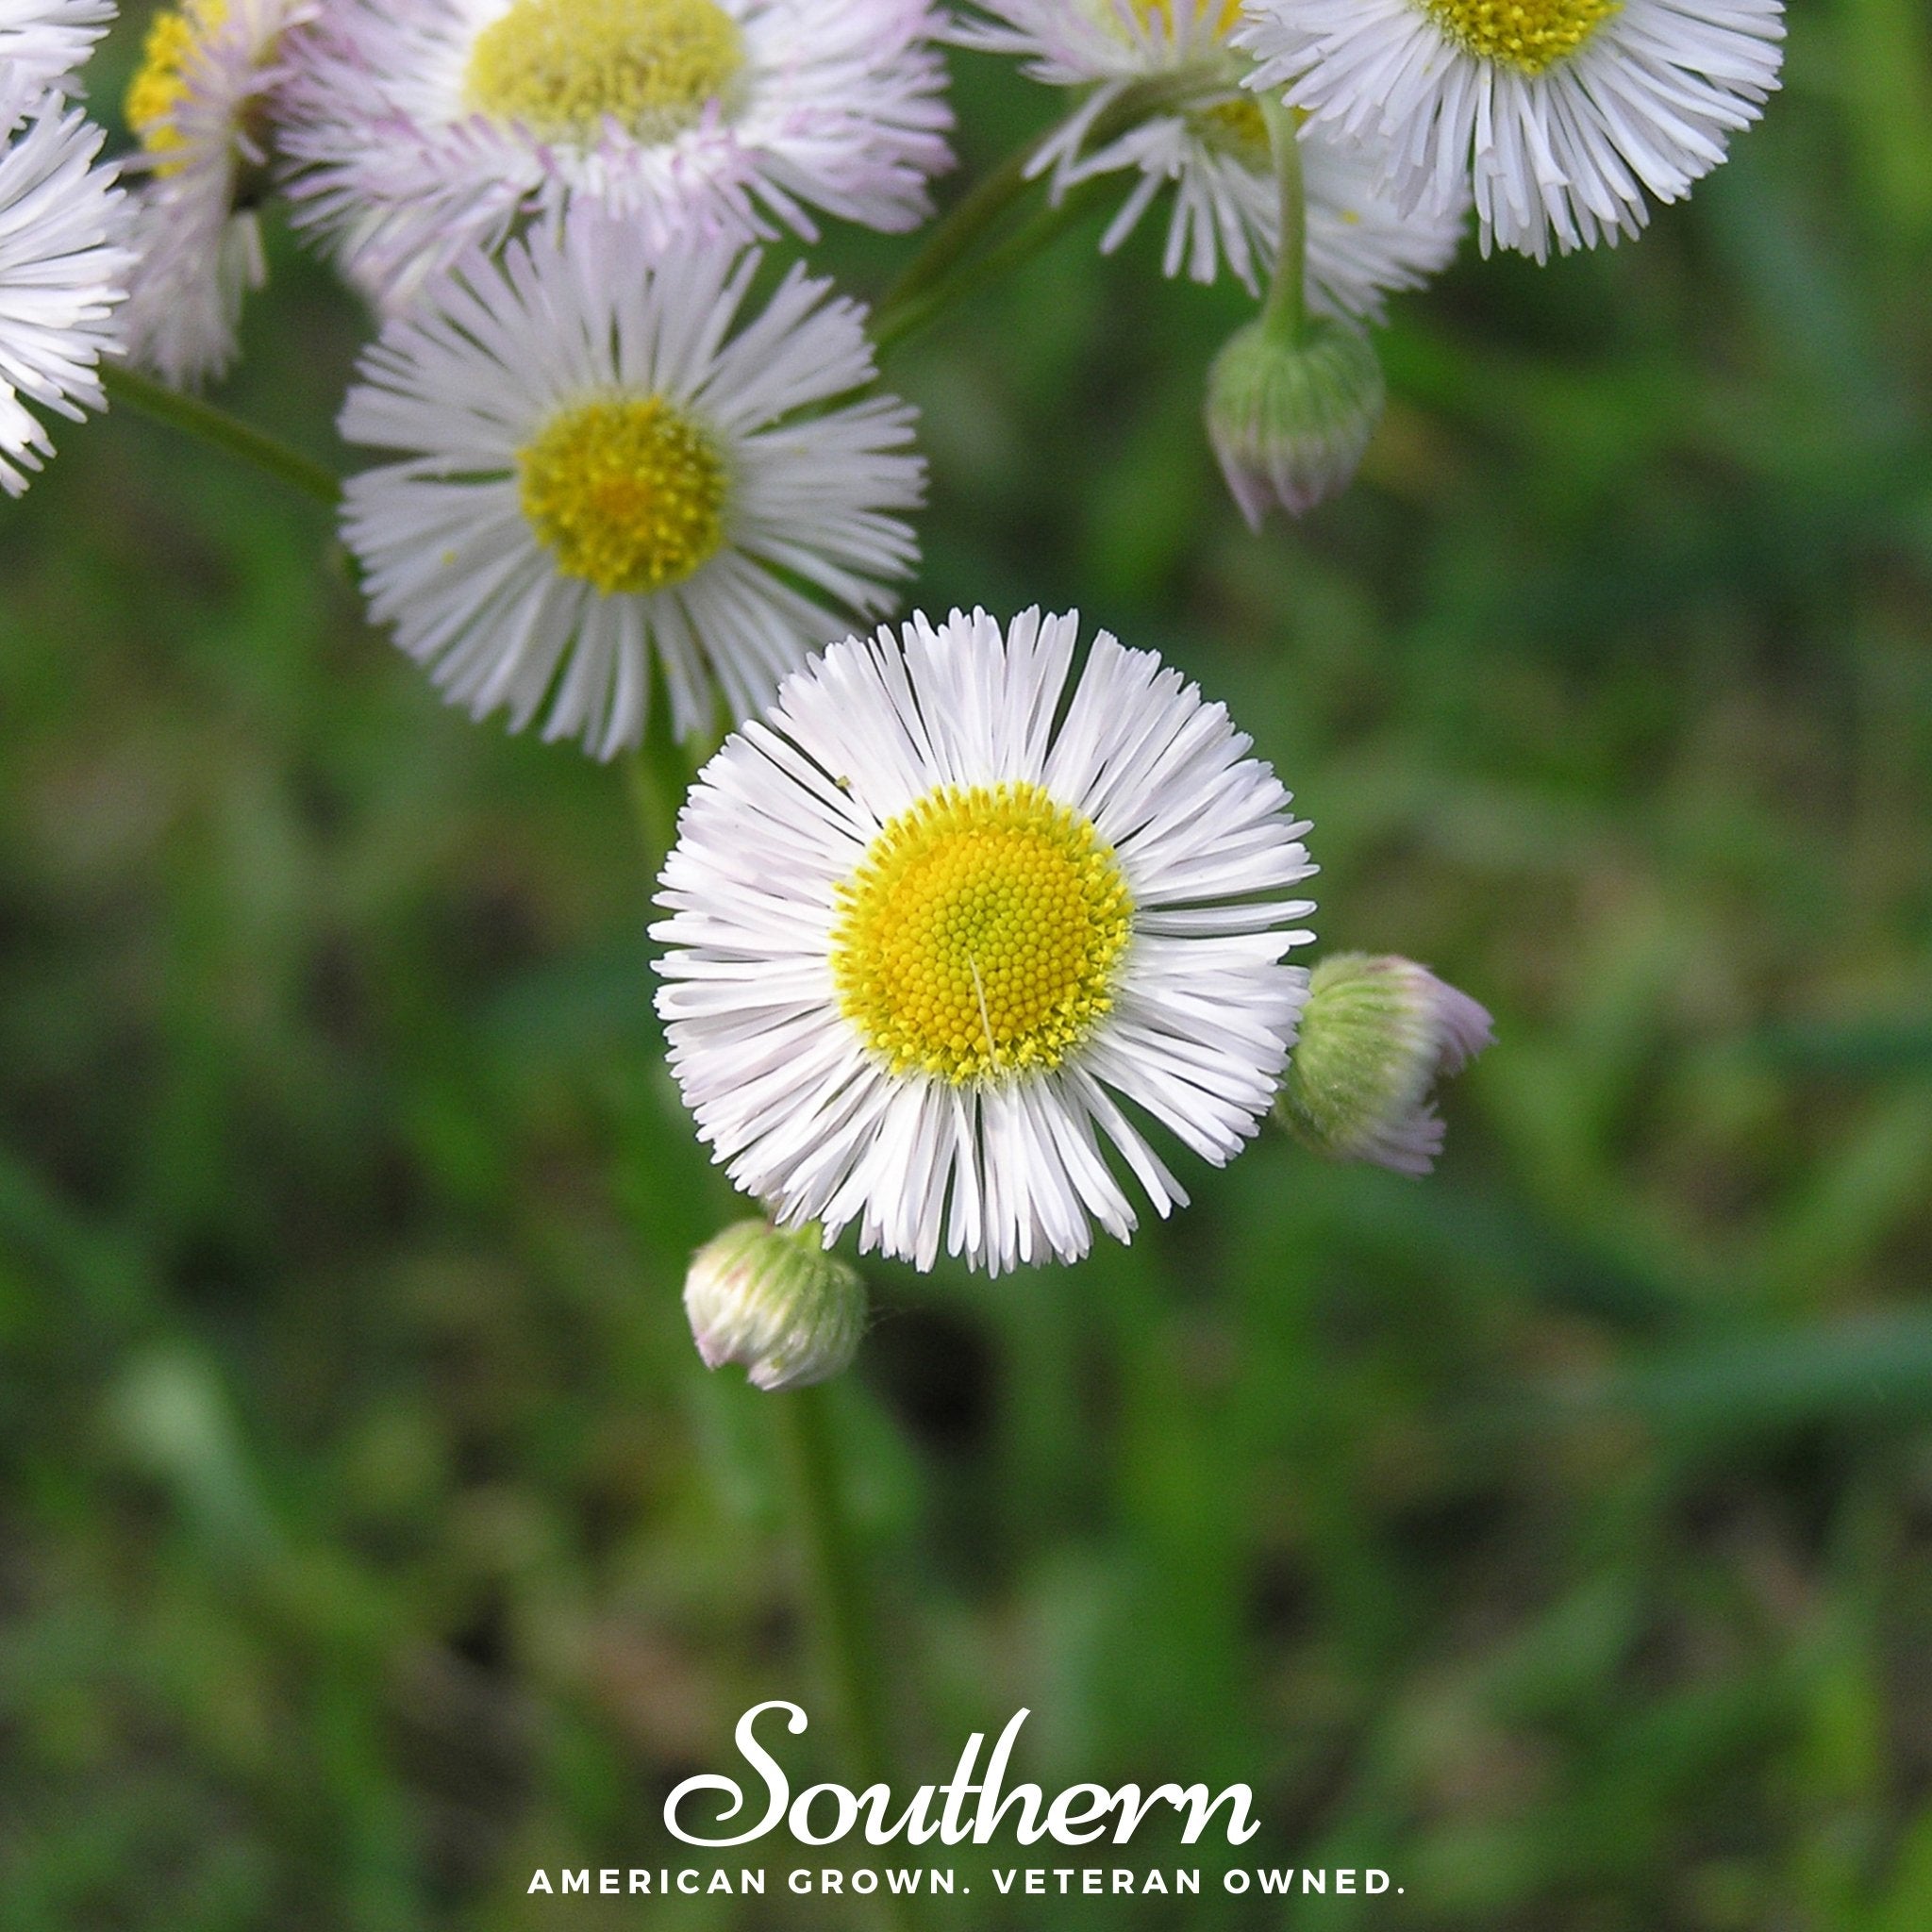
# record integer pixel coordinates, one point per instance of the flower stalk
(216, 426)
(1293, 398)
(834, 1590)
(1285, 313)
(943, 270)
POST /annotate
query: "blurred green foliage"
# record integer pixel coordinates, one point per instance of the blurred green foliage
(1552, 1534)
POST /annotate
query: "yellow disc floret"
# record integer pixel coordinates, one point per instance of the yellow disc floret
(1235, 126)
(561, 66)
(1527, 35)
(980, 935)
(629, 493)
(1164, 11)
(162, 82)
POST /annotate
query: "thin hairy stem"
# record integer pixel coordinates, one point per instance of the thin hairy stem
(835, 1595)
(942, 270)
(906, 319)
(226, 432)
(654, 794)
(1285, 313)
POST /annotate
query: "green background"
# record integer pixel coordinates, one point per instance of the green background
(1552, 1533)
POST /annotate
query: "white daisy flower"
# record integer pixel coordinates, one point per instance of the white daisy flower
(1562, 114)
(62, 273)
(596, 477)
(1215, 152)
(199, 104)
(429, 125)
(44, 42)
(939, 923)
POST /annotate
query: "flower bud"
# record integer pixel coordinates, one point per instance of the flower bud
(1290, 419)
(1377, 1034)
(775, 1300)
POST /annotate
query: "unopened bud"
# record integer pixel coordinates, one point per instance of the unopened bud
(1377, 1034)
(1290, 419)
(776, 1301)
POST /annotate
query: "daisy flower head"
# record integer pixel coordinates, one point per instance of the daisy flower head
(1562, 115)
(1213, 150)
(423, 125)
(199, 104)
(44, 42)
(596, 473)
(949, 926)
(63, 268)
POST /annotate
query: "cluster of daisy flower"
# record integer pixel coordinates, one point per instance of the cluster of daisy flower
(509, 164)
(956, 933)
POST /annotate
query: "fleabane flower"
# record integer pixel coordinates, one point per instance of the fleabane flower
(1213, 150)
(44, 42)
(597, 473)
(425, 125)
(199, 104)
(1561, 114)
(63, 265)
(949, 926)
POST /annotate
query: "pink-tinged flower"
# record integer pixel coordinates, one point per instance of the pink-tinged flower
(63, 269)
(421, 128)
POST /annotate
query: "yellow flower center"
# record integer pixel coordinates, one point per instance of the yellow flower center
(629, 493)
(1527, 35)
(561, 66)
(1236, 127)
(174, 38)
(1163, 13)
(981, 934)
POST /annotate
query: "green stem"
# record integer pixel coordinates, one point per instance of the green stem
(962, 226)
(652, 804)
(939, 273)
(216, 426)
(907, 318)
(835, 1595)
(1285, 312)
(658, 776)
